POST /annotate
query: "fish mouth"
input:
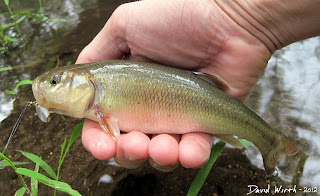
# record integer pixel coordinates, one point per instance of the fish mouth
(36, 92)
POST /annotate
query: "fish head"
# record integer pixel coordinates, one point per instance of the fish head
(67, 91)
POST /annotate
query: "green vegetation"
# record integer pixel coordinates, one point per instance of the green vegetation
(5, 68)
(22, 82)
(204, 171)
(53, 179)
(14, 18)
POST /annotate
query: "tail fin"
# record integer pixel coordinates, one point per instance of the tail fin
(283, 147)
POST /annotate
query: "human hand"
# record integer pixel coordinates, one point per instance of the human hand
(185, 34)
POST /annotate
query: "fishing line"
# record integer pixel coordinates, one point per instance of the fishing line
(15, 127)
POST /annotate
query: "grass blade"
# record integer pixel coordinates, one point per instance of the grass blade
(61, 186)
(6, 2)
(5, 68)
(20, 192)
(4, 164)
(22, 82)
(30, 15)
(41, 163)
(34, 182)
(75, 133)
(6, 159)
(204, 171)
(9, 39)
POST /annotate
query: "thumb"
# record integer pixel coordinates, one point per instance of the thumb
(110, 42)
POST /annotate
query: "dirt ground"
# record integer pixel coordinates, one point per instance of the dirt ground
(231, 174)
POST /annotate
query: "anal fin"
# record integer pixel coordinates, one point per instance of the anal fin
(230, 139)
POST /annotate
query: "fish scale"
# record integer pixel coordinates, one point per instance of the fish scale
(151, 98)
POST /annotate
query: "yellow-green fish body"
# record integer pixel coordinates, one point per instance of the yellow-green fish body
(146, 97)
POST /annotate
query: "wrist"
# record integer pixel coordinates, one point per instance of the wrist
(275, 23)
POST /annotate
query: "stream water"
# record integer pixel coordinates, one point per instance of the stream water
(286, 96)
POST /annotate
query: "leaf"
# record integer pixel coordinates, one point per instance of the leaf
(21, 191)
(68, 63)
(204, 171)
(34, 182)
(22, 82)
(75, 133)
(6, 27)
(41, 163)
(246, 143)
(61, 186)
(12, 24)
(6, 2)
(9, 39)
(6, 159)
(31, 15)
(10, 92)
(4, 164)
(20, 19)
(5, 68)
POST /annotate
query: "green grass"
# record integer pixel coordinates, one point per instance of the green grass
(16, 17)
(205, 170)
(52, 179)
(22, 82)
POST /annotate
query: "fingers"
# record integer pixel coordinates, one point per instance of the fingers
(96, 141)
(132, 150)
(164, 152)
(195, 149)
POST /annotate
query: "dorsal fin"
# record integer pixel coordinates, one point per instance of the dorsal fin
(214, 80)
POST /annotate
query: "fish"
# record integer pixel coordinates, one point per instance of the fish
(152, 98)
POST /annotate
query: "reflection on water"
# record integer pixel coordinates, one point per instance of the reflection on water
(287, 97)
(6, 106)
(38, 43)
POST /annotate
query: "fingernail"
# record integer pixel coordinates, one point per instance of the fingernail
(130, 157)
(162, 167)
(129, 161)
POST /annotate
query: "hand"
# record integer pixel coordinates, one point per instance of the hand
(187, 34)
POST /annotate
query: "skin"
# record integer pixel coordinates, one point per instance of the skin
(232, 40)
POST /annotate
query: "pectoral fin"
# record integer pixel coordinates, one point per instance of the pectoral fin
(109, 125)
(230, 139)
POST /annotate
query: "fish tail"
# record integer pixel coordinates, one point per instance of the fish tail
(283, 147)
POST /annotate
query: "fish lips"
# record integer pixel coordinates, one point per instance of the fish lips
(36, 92)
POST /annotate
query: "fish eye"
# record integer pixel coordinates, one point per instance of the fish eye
(55, 79)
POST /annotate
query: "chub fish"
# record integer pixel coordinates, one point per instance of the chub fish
(151, 98)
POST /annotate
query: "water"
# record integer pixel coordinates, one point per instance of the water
(287, 97)
(39, 42)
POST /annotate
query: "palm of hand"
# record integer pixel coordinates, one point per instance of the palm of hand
(189, 36)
